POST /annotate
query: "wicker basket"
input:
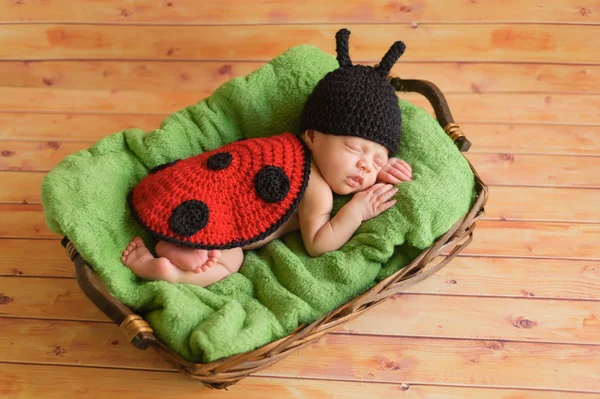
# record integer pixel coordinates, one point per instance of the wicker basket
(228, 371)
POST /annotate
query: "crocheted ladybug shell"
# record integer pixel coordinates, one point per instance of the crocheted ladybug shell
(233, 196)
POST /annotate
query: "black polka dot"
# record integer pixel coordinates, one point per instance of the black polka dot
(189, 218)
(271, 184)
(219, 161)
(163, 166)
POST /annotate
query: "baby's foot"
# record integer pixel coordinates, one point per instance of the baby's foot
(139, 259)
(212, 256)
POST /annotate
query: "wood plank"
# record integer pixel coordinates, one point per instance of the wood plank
(543, 204)
(312, 11)
(39, 381)
(36, 156)
(465, 275)
(428, 42)
(465, 107)
(536, 170)
(34, 258)
(19, 187)
(24, 221)
(71, 127)
(434, 316)
(527, 239)
(206, 76)
(486, 137)
(483, 318)
(532, 139)
(515, 277)
(336, 356)
(47, 299)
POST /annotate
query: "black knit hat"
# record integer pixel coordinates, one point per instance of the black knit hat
(356, 100)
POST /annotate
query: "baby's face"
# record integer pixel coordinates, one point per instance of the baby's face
(349, 164)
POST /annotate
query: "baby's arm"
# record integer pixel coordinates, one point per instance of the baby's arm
(319, 233)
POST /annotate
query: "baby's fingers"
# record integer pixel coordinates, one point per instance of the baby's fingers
(386, 205)
(387, 195)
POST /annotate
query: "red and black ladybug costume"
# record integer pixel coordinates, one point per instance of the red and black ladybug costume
(229, 197)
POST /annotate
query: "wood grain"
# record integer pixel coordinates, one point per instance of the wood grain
(312, 11)
(46, 298)
(34, 258)
(338, 356)
(543, 204)
(483, 318)
(19, 187)
(532, 139)
(206, 76)
(24, 221)
(515, 277)
(40, 381)
(536, 170)
(369, 42)
(413, 315)
(527, 239)
(36, 156)
(495, 107)
(71, 127)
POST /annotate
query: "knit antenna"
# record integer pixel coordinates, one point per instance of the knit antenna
(390, 58)
(343, 52)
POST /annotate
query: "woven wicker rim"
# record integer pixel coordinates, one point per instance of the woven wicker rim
(228, 371)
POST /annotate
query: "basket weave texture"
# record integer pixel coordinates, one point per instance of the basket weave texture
(228, 371)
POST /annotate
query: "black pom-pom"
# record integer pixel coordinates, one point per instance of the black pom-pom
(219, 161)
(271, 184)
(189, 218)
(163, 166)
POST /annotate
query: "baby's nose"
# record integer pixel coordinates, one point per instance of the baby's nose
(363, 165)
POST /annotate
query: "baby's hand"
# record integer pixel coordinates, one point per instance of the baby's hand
(372, 202)
(395, 171)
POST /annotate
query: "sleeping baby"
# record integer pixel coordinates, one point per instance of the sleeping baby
(350, 126)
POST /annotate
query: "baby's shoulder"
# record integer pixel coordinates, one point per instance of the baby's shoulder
(318, 197)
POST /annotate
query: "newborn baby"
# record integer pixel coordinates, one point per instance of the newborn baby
(339, 164)
(351, 125)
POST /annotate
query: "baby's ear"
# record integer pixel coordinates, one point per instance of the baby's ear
(309, 134)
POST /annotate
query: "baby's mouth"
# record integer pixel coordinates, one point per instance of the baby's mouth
(357, 179)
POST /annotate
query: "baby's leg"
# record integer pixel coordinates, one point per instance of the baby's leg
(139, 259)
(229, 262)
(187, 259)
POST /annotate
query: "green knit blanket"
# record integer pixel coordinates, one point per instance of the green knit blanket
(279, 285)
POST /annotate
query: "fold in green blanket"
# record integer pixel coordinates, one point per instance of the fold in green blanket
(279, 286)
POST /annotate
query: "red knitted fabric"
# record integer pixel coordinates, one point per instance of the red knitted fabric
(229, 197)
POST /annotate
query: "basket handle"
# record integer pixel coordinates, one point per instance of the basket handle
(440, 106)
(136, 329)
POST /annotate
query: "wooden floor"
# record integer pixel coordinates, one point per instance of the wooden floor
(517, 315)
